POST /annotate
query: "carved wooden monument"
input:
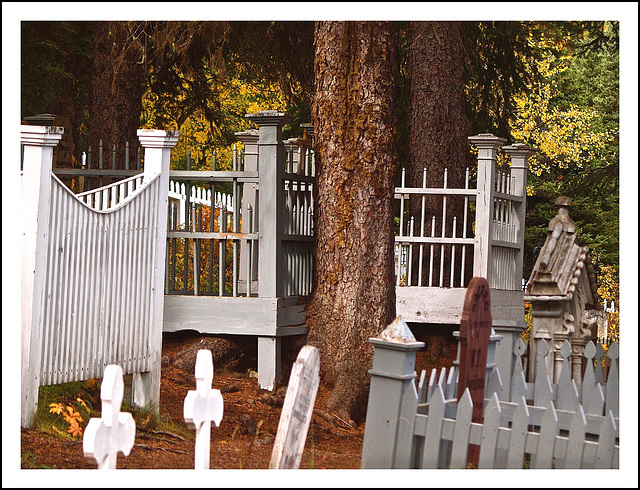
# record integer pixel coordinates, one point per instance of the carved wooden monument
(562, 287)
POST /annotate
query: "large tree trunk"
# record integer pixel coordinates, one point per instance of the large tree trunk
(438, 125)
(116, 98)
(355, 126)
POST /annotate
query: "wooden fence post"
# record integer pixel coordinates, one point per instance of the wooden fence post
(249, 199)
(487, 145)
(270, 231)
(157, 144)
(393, 399)
(39, 142)
(519, 154)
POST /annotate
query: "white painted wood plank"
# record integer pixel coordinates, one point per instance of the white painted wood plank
(543, 457)
(518, 435)
(221, 315)
(431, 451)
(606, 443)
(460, 445)
(613, 388)
(490, 433)
(576, 440)
(592, 395)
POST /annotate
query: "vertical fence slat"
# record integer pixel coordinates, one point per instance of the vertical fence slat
(490, 433)
(543, 459)
(431, 450)
(461, 432)
(577, 434)
(515, 457)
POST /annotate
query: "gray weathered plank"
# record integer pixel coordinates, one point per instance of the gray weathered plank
(460, 445)
(575, 446)
(490, 433)
(518, 435)
(297, 410)
(431, 451)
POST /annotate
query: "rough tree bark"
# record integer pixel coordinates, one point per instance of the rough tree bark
(116, 97)
(355, 126)
(438, 123)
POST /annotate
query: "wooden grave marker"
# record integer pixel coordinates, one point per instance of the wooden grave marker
(202, 406)
(475, 332)
(114, 432)
(297, 410)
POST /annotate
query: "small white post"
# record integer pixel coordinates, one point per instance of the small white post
(114, 432)
(38, 142)
(201, 406)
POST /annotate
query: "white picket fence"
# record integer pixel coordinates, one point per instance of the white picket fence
(596, 395)
(92, 271)
(512, 435)
(197, 196)
(438, 252)
(496, 247)
(538, 425)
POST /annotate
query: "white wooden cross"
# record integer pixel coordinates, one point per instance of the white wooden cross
(203, 405)
(115, 431)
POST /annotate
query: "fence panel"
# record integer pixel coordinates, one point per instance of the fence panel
(98, 296)
(93, 298)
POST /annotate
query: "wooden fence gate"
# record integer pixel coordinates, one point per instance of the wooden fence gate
(92, 272)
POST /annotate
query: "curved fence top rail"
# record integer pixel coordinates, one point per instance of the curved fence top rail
(139, 189)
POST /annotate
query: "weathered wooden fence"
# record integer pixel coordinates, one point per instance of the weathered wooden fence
(243, 270)
(437, 255)
(91, 271)
(425, 424)
(496, 205)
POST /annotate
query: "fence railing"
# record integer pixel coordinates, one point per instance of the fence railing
(91, 271)
(96, 172)
(220, 243)
(204, 236)
(496, 247)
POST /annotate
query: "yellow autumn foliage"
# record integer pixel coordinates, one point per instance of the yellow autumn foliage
(563, 136)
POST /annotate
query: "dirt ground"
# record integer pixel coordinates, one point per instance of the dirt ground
(247, 432)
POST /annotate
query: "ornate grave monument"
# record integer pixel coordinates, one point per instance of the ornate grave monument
(561, 288)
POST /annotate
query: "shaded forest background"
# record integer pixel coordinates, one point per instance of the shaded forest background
(553, 85)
